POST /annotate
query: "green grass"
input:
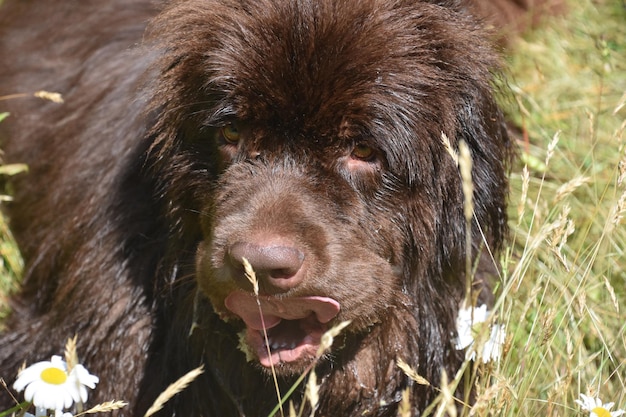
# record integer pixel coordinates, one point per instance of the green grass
(10, 259)
(562, 296)
(564, 292)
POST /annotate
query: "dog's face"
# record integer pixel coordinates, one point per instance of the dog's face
(321, 249)
(307, 135)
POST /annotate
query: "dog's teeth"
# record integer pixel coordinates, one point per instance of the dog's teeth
(274, 345)
(281, 345)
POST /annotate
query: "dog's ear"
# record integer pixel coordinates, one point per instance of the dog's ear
(483, 129)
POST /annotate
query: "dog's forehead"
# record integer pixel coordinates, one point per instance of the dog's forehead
(392, 70)
(312, 64)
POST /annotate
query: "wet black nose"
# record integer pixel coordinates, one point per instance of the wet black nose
(278, 268)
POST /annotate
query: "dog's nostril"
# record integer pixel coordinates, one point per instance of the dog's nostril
(277, 264)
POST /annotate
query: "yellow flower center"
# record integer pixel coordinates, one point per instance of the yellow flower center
(601, 412)
(53, 376)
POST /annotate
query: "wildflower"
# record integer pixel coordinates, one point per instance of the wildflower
(466, 321)
(48, 385)
(83, 380)
(492, 350)
(469, 324)
(596, 408)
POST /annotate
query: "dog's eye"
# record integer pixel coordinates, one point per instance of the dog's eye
(230, 133)
(363, 152)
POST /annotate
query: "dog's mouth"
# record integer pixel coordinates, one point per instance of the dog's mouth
(294, 326)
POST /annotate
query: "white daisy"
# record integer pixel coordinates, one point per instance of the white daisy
(83, 380)
(466, 322)
(596, 408)
(47, 384)
(470, 322)
(492, 350)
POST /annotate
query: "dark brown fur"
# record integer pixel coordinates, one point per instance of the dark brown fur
(133, 204)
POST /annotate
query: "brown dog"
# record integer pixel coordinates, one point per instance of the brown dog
(301, 135)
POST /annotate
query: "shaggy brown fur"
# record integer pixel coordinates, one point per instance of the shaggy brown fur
(304, 136)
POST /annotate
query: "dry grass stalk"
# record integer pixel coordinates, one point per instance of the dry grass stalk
(557, 391)
(292, 410)
(621, 168)
(251, 275)
(484, 402)
(620, 104)
(173, 389)
(329, 337)
(404, 408)
(50, 96)
(581, 302)
(42, 94)
(447, 406)
(569, 187)
(522, 201)
(611, 291)
(617, 212)
(562, 228)
(312, 392)
(448, 146)
(552, 147)
(13, 169)
(6, 388)
(547, 326)
(465, 165)
(105, 407)
(569, 345)
(552, 233)
(71, 356)
(411, 373)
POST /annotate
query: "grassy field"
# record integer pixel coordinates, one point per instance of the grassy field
(562, 296)
(10, 260)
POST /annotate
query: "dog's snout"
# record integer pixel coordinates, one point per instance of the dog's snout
(277, 267)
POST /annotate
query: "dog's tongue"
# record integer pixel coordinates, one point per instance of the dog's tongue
(274, 310)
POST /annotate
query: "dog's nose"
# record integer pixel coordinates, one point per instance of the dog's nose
(278, 268)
